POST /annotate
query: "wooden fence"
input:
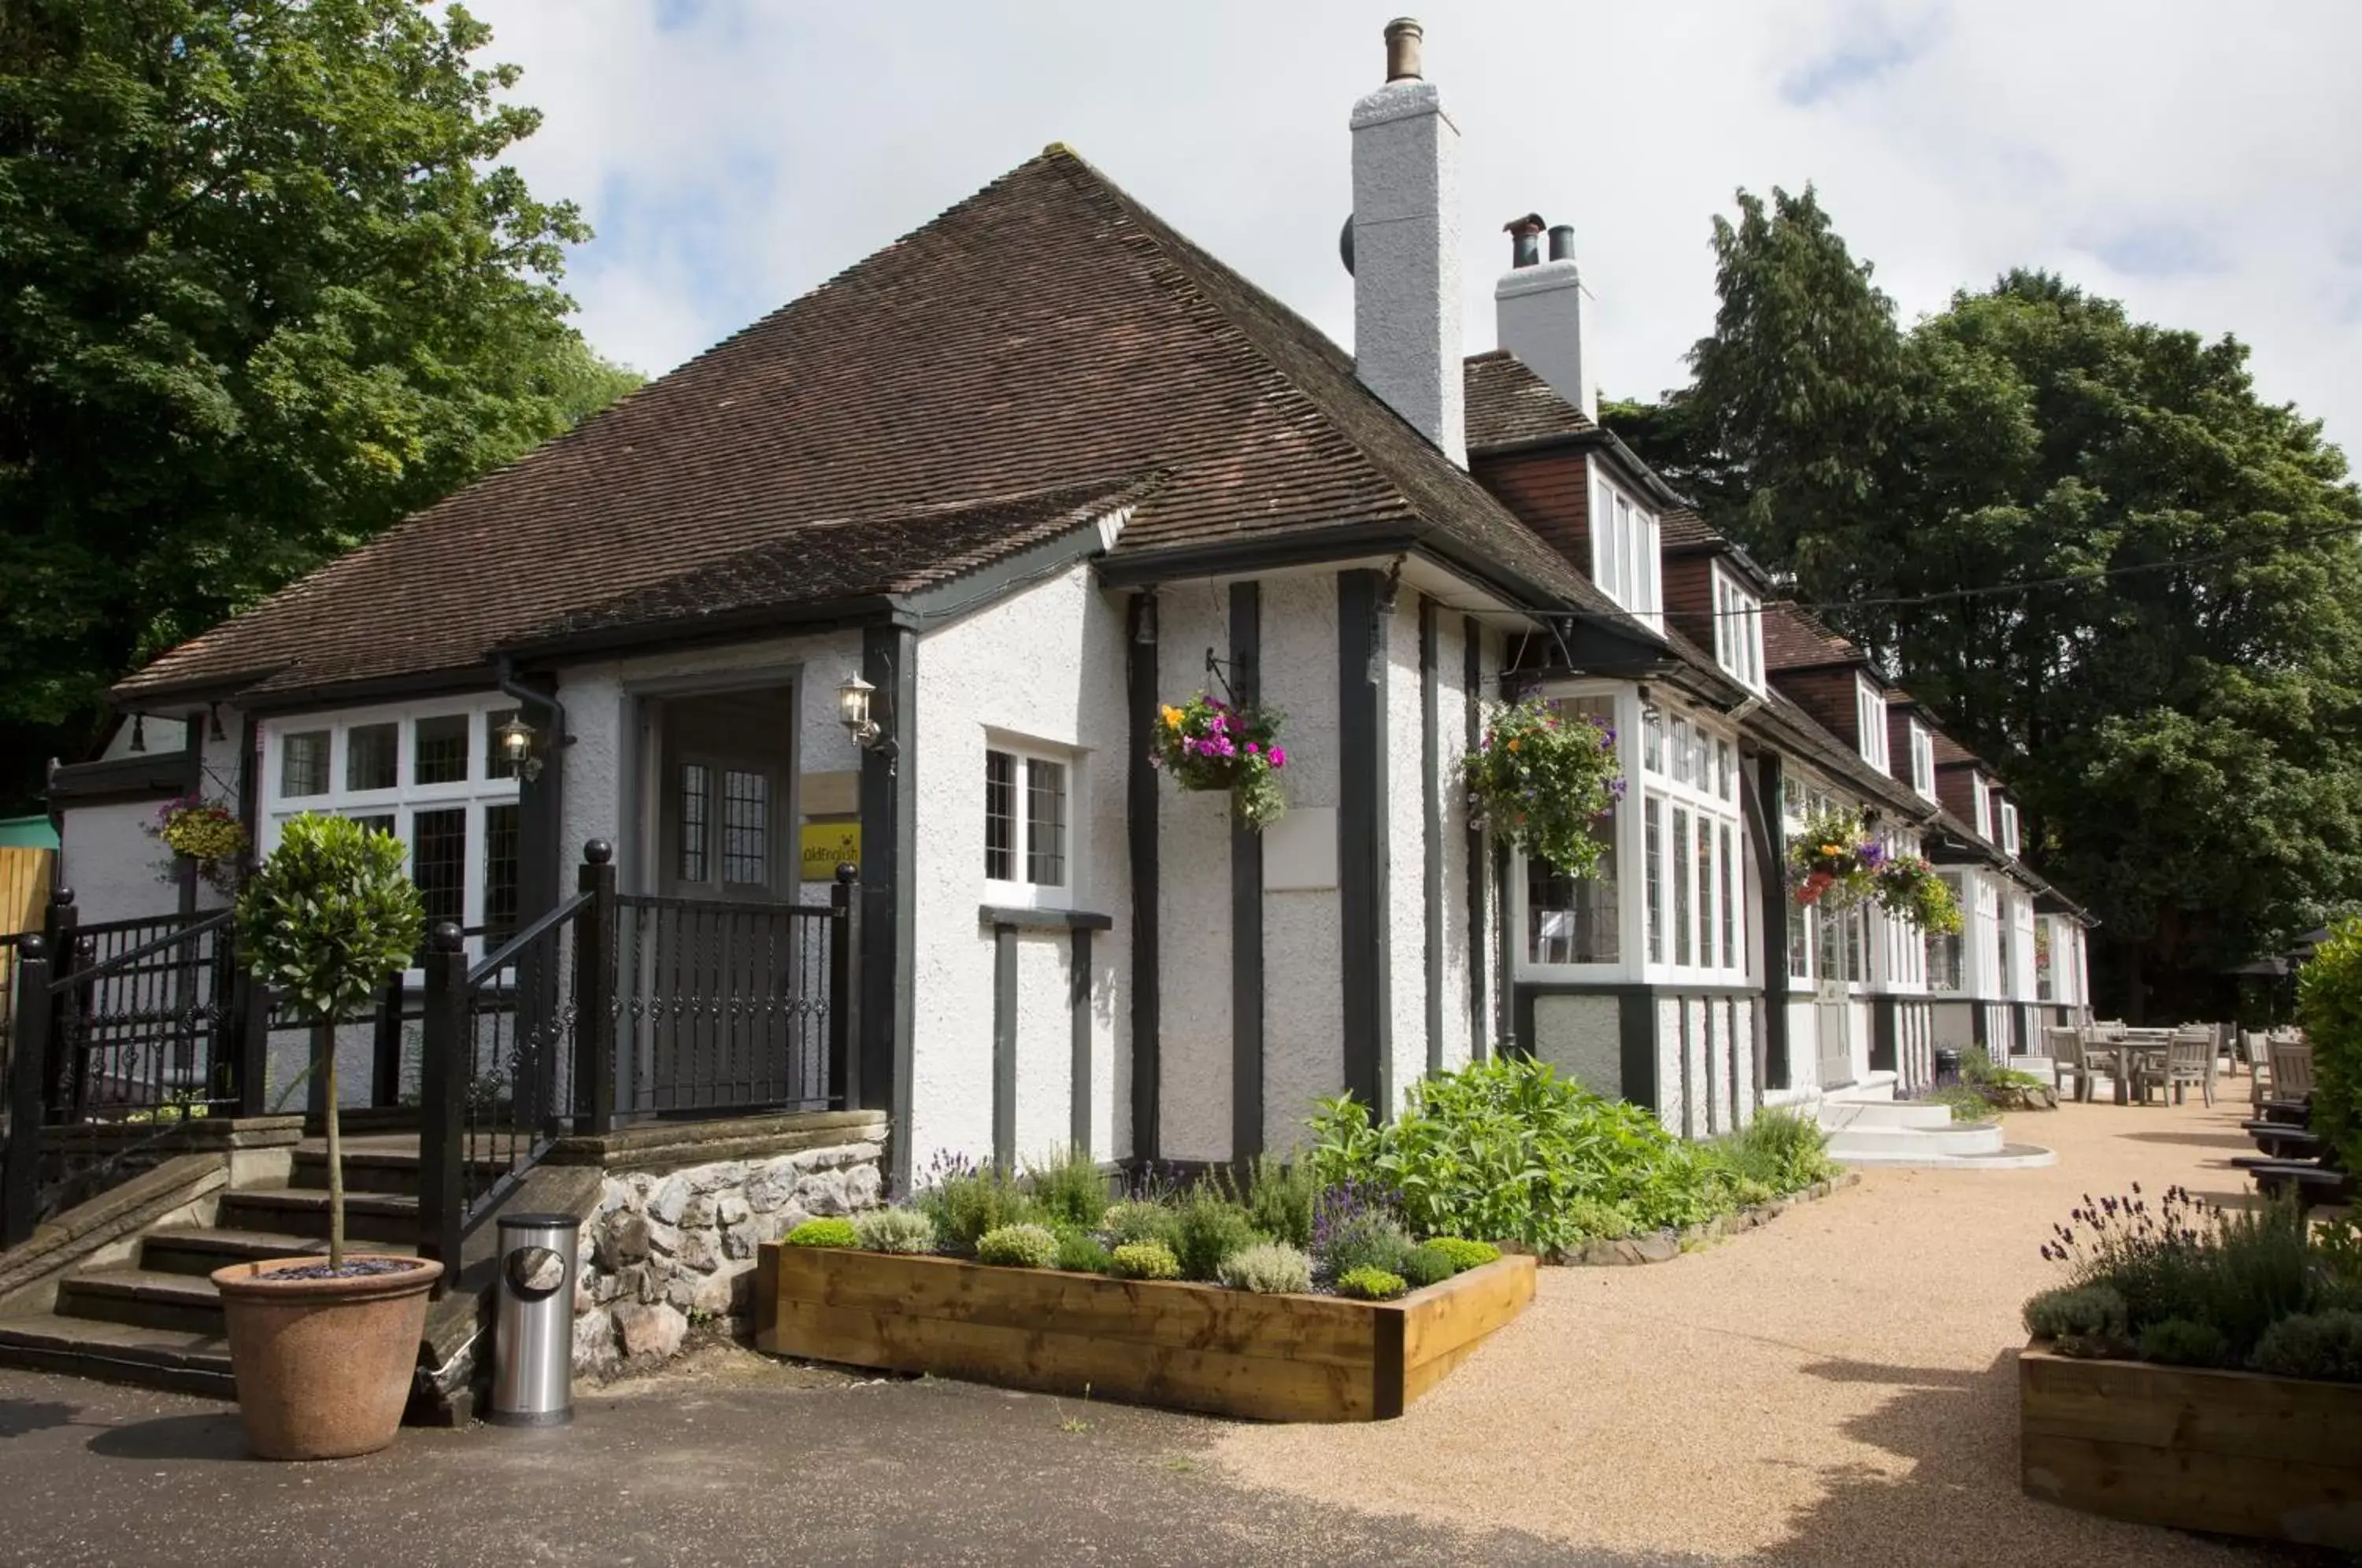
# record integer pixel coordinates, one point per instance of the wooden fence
(24, 876)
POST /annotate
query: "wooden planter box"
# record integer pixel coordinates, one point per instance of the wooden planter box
(1189, 1347)
(2239, 1452)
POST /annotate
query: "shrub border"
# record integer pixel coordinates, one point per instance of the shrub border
(1664, 1246)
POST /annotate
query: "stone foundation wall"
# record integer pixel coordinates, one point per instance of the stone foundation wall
(664, 1250)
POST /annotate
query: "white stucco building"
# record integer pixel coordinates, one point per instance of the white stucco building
(1028, 473)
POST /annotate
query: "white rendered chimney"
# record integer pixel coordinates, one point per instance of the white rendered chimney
(1405, 247)
(1544, 314)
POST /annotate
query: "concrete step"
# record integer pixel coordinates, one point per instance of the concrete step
(198, 1250)
(2042, 1067)
(2008, 1157)
(182, 1361)
(142, 1299)
(1870, 1086)
(303, 1211)
(1959, 1138)
(365, 1170)
(1838, 1114)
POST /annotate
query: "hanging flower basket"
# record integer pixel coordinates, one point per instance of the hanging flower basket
(1207, 745)
(1909, 889)
(1833, 861)
(1542, 778)
(204, 833)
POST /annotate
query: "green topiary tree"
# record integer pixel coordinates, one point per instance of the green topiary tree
(2329, 1002)
(326, 921)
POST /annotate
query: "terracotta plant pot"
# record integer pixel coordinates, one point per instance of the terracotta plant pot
(322, 1365)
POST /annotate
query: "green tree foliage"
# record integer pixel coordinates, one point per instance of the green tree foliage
(264, 288)
(2170, 672)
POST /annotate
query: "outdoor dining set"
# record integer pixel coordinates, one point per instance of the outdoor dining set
(2142, 1062)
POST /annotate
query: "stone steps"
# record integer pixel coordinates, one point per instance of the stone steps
(143, 1298)
(178, 1360)
(369, 1216)
(1955, 1138)
(1837, 1115)
(2008, 1157)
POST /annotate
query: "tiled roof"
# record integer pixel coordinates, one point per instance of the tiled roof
(1683, 526)
(1948, 750)
(1509, 402)
(1045, 335)
(1794, 639)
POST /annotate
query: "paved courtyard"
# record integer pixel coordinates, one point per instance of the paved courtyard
(1834, 1388)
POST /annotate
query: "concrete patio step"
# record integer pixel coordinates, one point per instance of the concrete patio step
(2007, 1157)
(142, 1299)
(1950, 1139)
(369, 1216)
(1870, 1086)
(179, 1360)
(1836, 1114)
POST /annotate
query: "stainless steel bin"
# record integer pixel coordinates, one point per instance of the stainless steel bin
(532, 1331)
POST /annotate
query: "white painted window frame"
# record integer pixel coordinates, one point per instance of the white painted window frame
(2009, 829)
(406, 799)
(1922, 760)
(1021, 894)
(1870, 721)
(1626, 550)
(1738, 630)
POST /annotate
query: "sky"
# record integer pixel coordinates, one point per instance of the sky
(2201, 163)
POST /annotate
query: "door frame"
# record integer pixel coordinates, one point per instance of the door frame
(641, 760)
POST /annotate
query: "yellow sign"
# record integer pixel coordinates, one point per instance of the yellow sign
(825, 844)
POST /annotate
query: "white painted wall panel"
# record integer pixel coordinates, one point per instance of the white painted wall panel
(1742, 1037)
(1451, 729)
(106, 855)
(1669, 1063)
(1406, 829)
(1582, 1037)
(1696, 1065)
(1304, 1056)
(1048, 664)
(1719, 1069)
(1194, 899)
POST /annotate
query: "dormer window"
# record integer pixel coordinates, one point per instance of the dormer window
(2009, 829)
(1737, 631)
(1922, 760)
(1870, 721)
(1984, 808)
(1624, 549)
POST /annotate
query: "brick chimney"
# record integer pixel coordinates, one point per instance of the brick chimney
(1406, 247)
(1543, 314)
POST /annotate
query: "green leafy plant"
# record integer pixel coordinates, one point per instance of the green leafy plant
(1205, 743)
(2180, 1342)
(1909, 888)
(964, 1201)
(1078, 1253)
(830, 1232)
(1465, 1254)
(326, 921)
(1207, 1227)
(1542, 780)
(2314, 1344)
(204, 833)
(1144, 1260)
(1268, 1268)
(2079, 1319)
(1969, 1106)
(1017, 1246)
(1068, 1187)
(1279, 1198)
(2329, 1002)
(1780, 1151)
(1354, 1227)
(1428, 1264)
(1370, 1285)
(1979, 1070)
(1138, 1220)
(894, 1230)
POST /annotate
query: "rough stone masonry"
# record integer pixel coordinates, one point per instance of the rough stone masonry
(664, 1249)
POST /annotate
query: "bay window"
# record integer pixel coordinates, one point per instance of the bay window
(1579, 920)
(1691, 838)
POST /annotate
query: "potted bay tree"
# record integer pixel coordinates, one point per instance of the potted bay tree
(322, 1348)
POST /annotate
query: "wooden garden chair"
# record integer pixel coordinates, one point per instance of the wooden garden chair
(2292, 1069)
(2189, 1063)
(2259, 1048)
(2065, 1049)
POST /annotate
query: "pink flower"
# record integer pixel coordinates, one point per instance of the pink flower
(1278, 757)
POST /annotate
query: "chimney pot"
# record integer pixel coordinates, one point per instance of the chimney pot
(1403, 36)
(1562, 242)
(1525, 240)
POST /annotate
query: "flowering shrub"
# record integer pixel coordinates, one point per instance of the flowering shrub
(1542, 780)
(203, 832)
(1833, 861)
(1206, 744)
(1909, 889)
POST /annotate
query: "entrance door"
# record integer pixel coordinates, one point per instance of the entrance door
(728, 980)
(1833, 1019)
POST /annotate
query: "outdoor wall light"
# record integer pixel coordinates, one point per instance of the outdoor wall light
(515, 740)
(852, 710)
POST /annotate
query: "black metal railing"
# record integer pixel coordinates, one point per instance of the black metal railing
(724, 1008)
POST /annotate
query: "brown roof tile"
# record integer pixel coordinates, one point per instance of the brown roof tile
(1045, 335)
(1507, 402)
(1794, 638)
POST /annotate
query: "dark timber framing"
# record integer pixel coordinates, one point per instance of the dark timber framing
(1431, 789)
(1472, 671)
(1246, 901)
(1361, 887)
(1004, 1047)
(1078, 1070)
(890, 660)
(1139, 810)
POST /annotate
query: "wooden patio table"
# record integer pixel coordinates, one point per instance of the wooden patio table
(2128, 1053)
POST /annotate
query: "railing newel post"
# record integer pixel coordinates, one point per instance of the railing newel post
(60, 922)
(20, 1174)
(844, 988)
(594, 992)
(446, 1059)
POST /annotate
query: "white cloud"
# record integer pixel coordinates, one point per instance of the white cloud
(2197, 163)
